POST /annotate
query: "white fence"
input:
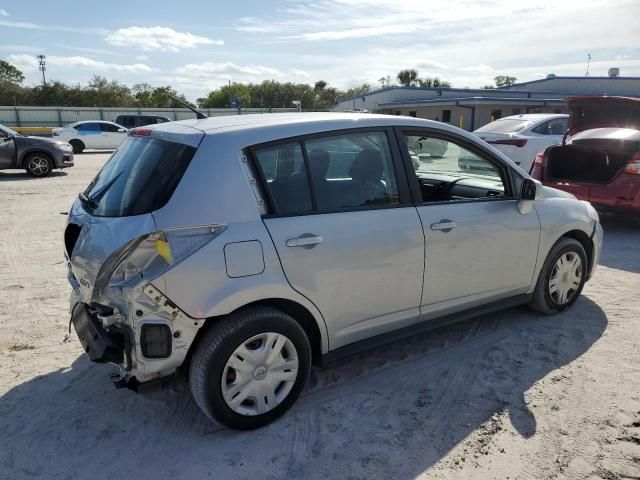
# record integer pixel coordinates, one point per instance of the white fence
(59, 116)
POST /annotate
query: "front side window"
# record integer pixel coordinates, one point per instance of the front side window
(329, 174)
(447, 171)
(108, 127)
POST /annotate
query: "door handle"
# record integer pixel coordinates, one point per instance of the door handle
(444, 225)
(304, 241)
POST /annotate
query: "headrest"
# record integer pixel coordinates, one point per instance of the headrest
(367, 166)
(319, 163)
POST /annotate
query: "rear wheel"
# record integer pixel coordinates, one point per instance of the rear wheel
(38, 164)
(77, 145)
(250, 368)
(562, 277)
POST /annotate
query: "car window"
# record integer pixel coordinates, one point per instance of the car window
(126, 121)
(447, 171)
(161, 120)
(352, 170)
(88, 128)
(329, 174)
(556, 126)
(285, 174)
(506, 125)
(108, 127)
(140, 177)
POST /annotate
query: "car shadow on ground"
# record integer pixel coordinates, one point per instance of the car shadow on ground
(17, 175)
(622, 240)
(394, 412)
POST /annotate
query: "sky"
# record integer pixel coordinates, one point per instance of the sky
(196, 46)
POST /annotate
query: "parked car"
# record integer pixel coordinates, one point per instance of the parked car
(91, 134)
(133, 121)
(243, 249)
(521, 137)
(600, 161)
(37, 155)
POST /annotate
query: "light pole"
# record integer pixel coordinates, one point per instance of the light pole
(42, 67)
(298, 103)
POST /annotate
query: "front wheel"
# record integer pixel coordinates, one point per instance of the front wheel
(38, 165)
(250, 368)
(562, 277)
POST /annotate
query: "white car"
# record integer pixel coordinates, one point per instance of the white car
(92, 134)
(521, 137)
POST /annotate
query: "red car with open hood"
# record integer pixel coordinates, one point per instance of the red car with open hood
(600, 158)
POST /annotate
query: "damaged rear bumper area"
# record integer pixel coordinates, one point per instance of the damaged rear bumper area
(101, 346)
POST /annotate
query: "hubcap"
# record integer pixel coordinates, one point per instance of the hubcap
(565, 278)
(259, 374)
(38, 165)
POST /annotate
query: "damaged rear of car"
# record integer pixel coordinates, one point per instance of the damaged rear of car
(115, 249)
(600, 161)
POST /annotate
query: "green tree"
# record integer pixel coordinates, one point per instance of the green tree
(10, 74)
(503, 81)
(408, 77)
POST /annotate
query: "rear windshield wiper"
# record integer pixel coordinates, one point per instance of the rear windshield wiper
(91, 201)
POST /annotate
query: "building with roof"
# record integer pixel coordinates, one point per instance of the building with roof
(471, 108)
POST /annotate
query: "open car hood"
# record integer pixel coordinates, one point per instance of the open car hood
(597, 112)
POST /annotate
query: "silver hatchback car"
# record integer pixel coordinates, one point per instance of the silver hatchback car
(246, 248)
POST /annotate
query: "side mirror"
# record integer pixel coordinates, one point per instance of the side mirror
(122, 130)
(531, 190)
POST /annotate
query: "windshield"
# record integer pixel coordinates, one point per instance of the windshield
(139, 178)
(7, 130)
(504, 126)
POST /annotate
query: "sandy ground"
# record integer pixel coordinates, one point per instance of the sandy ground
(508, 396)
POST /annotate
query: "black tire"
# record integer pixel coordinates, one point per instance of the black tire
(542, 300)
(78, 146)
(217, 346)
(38, 164)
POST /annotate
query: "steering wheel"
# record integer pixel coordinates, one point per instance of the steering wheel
(449, 186)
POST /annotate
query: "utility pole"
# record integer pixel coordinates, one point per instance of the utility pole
(42, 67)
(588, 64)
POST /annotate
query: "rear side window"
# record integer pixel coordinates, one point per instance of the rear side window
(284, 171)
(329, 174)
(139, 178)
(557, 126)
(504, 126)
(88, 128)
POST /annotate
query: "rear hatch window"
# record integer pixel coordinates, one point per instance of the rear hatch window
(139, 178)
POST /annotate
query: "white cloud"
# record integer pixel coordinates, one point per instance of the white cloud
(373, 31)
(300, 73)
(430, 64)
(226, 70)
(3, 13)
(481, 68)
(157, 38)
(52, 28)
(25, 63)
(142, 58)
(29, 63)
(97, 51)
(85, 63)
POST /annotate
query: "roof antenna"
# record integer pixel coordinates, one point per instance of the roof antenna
(588, 64)
(199, 115)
